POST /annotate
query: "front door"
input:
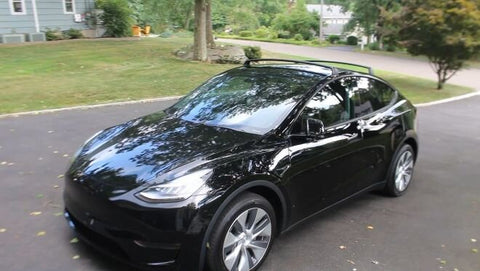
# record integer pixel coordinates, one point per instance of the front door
(326, 167)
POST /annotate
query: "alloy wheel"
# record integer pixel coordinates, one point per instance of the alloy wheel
(404, 171)
(247, 240)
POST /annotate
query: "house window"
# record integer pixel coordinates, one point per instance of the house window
(17, 7)
(69, 6)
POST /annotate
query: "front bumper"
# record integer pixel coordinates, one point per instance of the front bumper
(146, 238)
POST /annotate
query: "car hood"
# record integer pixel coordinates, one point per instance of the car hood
(126, 156)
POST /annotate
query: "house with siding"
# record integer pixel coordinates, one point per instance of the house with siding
(26, 18)
(334, 18)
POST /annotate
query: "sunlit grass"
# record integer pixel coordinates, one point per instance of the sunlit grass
(59, 74)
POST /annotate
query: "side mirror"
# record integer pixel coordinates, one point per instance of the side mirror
(314, 127)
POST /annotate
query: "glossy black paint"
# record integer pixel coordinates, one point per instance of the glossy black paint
(299, 174)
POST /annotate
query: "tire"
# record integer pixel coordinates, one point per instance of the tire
(243, 235)
(401, 171)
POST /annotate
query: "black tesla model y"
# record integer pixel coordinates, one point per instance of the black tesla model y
(211, 181)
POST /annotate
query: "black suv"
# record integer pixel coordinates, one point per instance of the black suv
(210, 181)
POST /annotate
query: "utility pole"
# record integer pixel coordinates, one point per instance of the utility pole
(320, 32)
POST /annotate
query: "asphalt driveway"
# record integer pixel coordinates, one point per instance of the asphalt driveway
(433, 227)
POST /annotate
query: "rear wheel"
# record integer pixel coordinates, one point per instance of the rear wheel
(401, 173)
(243, 235)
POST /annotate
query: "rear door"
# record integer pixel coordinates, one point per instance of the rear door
(369, 101)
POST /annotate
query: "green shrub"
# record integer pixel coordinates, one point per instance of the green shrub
(374, 46)
(298, 37)
(391, 48)
(272, 34)
(253, 52)
(72, 34)
(333, 39)
(54, 34)
(262, 32)
(245, 33)
(116, 17)
(352, 40)
(284, 35)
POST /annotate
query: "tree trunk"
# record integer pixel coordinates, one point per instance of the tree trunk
(440, 79)
(210, 39)
(200, 38)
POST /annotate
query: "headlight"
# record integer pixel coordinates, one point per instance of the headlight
(176, 190)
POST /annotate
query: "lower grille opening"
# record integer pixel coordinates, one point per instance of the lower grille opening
(99, 240)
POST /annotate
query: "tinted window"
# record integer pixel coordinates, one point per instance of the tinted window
(330, 105)
(253, 100)
(367, 95)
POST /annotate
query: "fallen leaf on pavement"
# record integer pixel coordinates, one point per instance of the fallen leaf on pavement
(65, 155)
(58, 214)
(39, 196)
(76, 257)
(370, 227)
(443, 261)
(41, 233)
(74, 240)
(473, 240)
(342, 247)
(474, 250)
(3, 230)
(56, 186)
(350, 261)
(3, 163)
(55, 151)
(36, 213)
(60, 176)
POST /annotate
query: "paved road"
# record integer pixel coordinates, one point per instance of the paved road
(408, 66)
(430, 228)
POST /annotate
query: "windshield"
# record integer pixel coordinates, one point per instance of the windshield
(252, 100)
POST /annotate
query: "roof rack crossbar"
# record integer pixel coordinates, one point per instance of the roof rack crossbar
(308, 62)
(369, 69)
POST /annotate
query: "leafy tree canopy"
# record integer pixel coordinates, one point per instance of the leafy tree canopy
(447, 32)
(298, 21)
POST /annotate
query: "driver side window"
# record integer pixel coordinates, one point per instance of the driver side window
(330, 105)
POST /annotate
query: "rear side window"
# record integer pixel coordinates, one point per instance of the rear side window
(368, 95)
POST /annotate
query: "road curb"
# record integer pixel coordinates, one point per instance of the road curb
(457, 98)
(85, 107)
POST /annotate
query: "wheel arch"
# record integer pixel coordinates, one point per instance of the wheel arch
(413, 143)
(266, 189)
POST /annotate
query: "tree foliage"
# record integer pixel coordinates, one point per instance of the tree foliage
(366, 14)
(242, 15)
(116, 17)
(447, 32)
(163, 14)
(298, 20)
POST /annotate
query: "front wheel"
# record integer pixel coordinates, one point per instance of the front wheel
(401, 173)
(243, 235)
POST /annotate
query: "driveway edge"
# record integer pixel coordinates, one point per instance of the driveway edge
(84, 107)
(456, 98)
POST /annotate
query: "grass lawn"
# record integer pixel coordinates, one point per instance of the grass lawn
(60, 74)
